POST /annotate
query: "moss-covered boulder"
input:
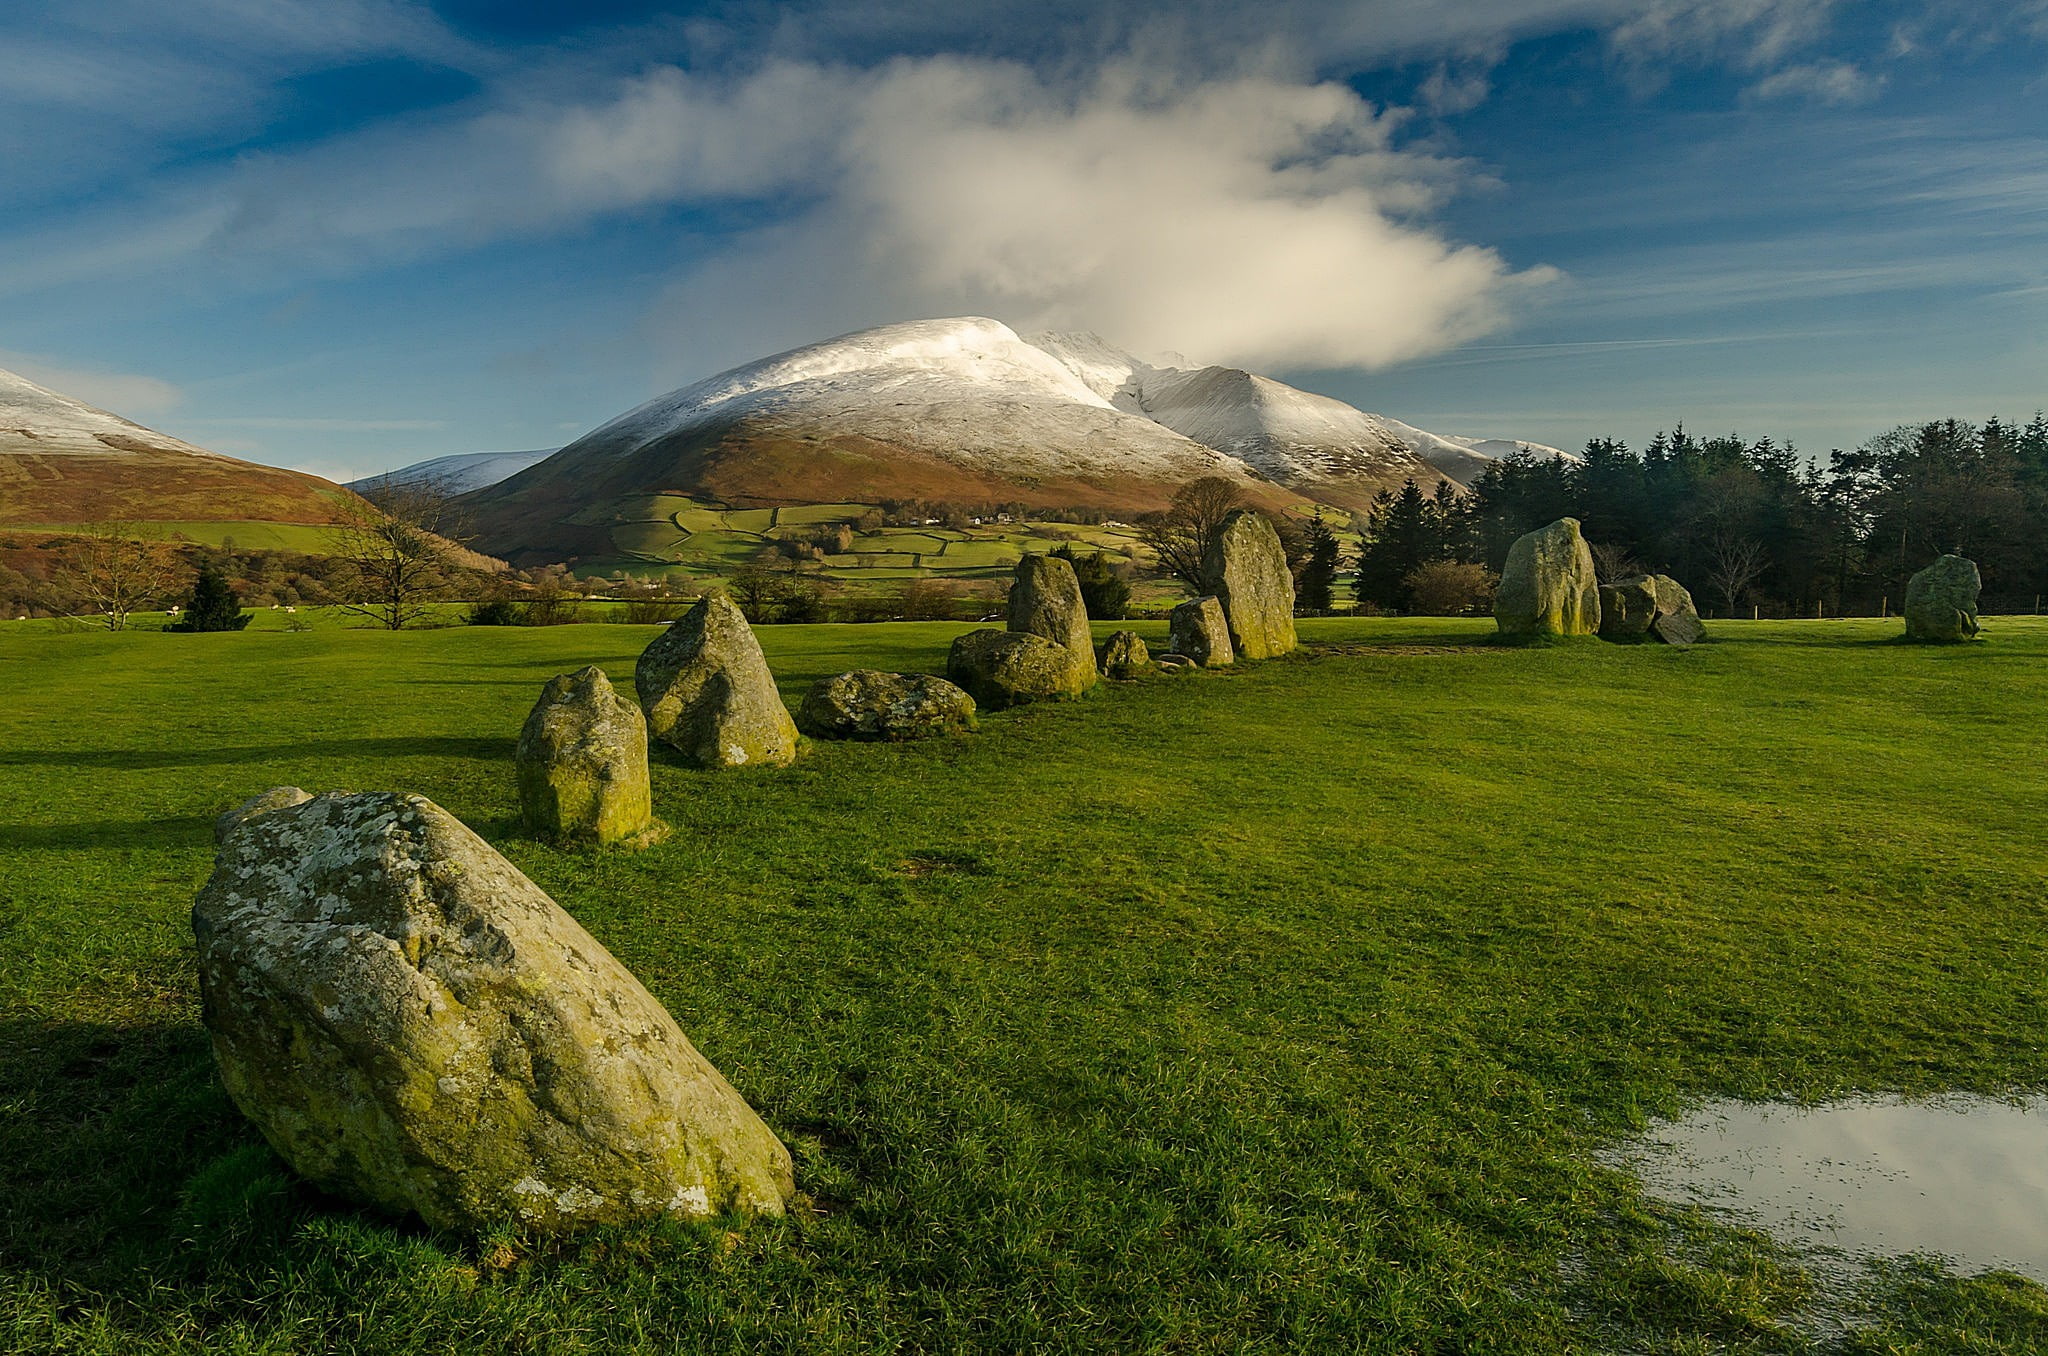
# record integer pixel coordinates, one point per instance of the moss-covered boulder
(414, 1024)
(1197, 629)
(582, 764)
(1627, 608)
(1009, 668)
(1045, 600)
(866, 704)
(1548, 588)
(1941, 602)
(708, 693)
(1245, 567)
(1124, 655)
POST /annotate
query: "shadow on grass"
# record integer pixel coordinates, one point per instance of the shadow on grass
(484, 750)
(181, 831)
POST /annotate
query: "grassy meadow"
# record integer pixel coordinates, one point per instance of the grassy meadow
(1277, 1009)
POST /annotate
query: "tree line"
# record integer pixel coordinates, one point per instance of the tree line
(1746, 525)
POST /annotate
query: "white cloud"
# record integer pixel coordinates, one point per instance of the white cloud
(129, 394)
(1826, 82)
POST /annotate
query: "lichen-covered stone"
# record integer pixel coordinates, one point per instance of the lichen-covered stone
(414, 1024)
(1677, 621)
(1627, 608)
(1197, 629)
(1045, 600)
(1124, 655)
(1245, 567)
(1548, 587)
(1010, 668)
(1941, 601)
(707, 691)
(866, 704)
(582, 763)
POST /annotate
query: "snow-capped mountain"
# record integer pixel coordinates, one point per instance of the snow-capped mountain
(63, 461)
(963, 410)
(460, 472)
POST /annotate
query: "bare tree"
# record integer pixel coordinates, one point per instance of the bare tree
(117, 569)
(1612, 563)
(1178, 534)
(397, 544)
(1738, 562)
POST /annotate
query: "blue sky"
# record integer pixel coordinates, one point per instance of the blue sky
(348, 234)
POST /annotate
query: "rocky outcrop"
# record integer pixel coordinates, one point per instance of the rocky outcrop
(865, 704)
(1010, 668)
(1124, 656)
(1548, 588)
(708, 693)
(414, 1024)
(1198, 630)
(1941, 602)
(1045, 600)
(582, 764)
(1245, 567)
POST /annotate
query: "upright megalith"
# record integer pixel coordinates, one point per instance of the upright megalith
(1124, 656)
(1548, 587)
(1045, 600)
(414, 1024)
(1677, 621)
(1245, 567)
(1941, 601)
(1197, 630)
(1011, 668)
(708, 693)
(582, 763)
(866, 704)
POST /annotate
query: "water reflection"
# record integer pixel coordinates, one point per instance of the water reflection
(1962, 1176)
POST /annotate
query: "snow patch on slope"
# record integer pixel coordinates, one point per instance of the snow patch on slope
(40, 422)
(460, 472)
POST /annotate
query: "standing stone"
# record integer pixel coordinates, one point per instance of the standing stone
(1124, 655)
(707, 690)
(1627, 608)
(1548, 587)
(414, 1024)
(1245, 567)
(1010, 668)
(865, 704)
(1941, 601)
(1198, 630)
(583, 763)
(1045, 600)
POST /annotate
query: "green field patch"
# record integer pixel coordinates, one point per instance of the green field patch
(800, 515)
(861, 560)
(979, 554)
(661, 540)
(751, 520)
(899, 539)
(695, 517)
(717, 547)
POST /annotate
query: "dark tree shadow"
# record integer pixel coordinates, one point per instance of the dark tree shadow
(484, 750)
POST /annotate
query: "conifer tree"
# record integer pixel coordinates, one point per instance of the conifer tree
(213, 605)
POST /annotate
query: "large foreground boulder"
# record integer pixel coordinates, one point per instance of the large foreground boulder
(414, 1024)
(1045, 600)
(708, 693)
(1009, 668)
(865, 704)
(1124, 655)
(1198, 630)
(1941, 601)
(1548, 587)
(582, 763)
(1245, 567)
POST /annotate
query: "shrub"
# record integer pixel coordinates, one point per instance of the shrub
(1448, 588)
(1105, 593)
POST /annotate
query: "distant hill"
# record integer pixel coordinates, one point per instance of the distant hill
(459, 473)
(63, 461)
(961, 411)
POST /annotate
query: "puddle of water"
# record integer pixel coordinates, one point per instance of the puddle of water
(1966, 1177)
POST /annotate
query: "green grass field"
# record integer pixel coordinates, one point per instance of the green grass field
(1280, 1009)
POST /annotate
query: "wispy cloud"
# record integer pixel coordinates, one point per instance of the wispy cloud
(1826, 82)
(131, 394)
